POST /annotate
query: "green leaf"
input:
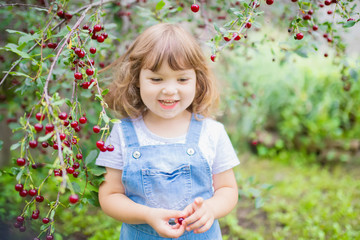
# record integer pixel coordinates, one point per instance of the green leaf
(14, 48)
(105, 92)
(18, 176)
(349, 24)
(1, 144)
(91, 157)
(14, 146)
(19, 74)
(106, 118)
(97, 170)
(160, 5)
(115, 120)
(27, 38)
(46, 137)
(76, 187)
(68, 102)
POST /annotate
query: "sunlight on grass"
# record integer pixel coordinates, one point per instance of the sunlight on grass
(306, 202)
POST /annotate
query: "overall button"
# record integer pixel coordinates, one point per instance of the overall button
(190, 151)
(136, 154)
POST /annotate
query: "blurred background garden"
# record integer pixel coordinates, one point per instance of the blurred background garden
(293, 116)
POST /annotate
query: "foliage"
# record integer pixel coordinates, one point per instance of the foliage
(50, 72)
(313, 112)
(307, 202)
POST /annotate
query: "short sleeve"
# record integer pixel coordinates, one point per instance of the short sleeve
(225, 155)
(113, 159)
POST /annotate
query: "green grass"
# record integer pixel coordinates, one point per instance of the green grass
(306, 202)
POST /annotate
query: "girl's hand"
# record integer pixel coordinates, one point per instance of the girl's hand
(159, 218)
(200, 216)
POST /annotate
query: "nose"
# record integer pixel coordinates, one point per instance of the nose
(169, 89)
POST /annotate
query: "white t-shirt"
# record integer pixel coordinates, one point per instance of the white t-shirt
(214, 144)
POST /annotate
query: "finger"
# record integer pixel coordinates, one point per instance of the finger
(204, 228)
(199, 201)
(199, 223)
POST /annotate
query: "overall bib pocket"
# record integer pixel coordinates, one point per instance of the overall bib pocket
(167, 189)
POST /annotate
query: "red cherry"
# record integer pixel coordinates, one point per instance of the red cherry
(67, 143)
(74, 141)
(96, 129)
(315, 27)
(76, 165)
(105, 35)
(33, 143)
(40, 116)
(269, 2)
(236, 36)
(44, 144)
(39, 198)
(66, 123)
(77, 129)
(49, 127)
(81, 54)
(20, 219)
(92, 50)
(100, 144)
(299, 36)
(68, 16)
(21, 161)
(55, 146)
(89, 71)
(97, 28)
(248, 25)
(327, 2)
(212, 57)
(74, 198)
(45, 220)
(103, 149)
(311, 12)
(74, 124)
(329, 12)
(85, 85)
(32, 192)
(49, 237)
(60, 14)
(78, 75)
(35, 216)
(62, 136)
(180, 220)
(83, 120)
(100, 38)
(307, 17)
(79, 156)
(70, 170)
(76, 174)
(227, 39)
(110, 148)
(195, 8)
(294, 0)
(38, 127)
(19, 187)
(77, 51)
(321, 5)
(23, 193)
(63, 116)
(85, 27)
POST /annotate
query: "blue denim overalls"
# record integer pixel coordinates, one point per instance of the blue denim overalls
(166, 176)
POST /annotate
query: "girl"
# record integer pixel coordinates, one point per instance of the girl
(170, 160)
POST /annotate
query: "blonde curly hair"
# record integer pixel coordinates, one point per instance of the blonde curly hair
(160, 42)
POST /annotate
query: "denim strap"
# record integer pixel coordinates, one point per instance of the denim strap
(130, 136)
(194, 131)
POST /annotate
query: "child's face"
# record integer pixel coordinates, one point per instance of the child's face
(167, 93)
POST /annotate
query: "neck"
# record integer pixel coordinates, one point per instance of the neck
(169, 128)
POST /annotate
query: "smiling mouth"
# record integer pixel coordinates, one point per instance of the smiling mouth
(168, 102)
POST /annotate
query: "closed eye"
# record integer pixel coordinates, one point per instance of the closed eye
(183, 79)
(156, 79)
